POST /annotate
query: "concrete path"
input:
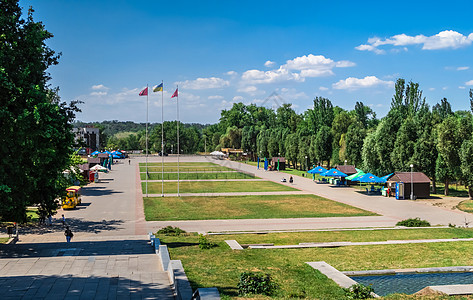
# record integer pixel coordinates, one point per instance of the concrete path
(109, 256)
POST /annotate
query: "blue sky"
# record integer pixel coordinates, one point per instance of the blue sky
(222, 52)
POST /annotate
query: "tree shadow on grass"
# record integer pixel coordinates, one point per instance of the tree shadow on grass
(180, 244)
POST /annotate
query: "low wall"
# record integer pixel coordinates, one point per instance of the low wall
(177, 276)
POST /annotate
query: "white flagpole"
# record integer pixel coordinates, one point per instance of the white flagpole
(162, 140)
(147, 93)
(178, 151)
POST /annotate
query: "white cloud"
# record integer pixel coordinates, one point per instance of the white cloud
(447, 39)
(251, 90)
(469, 82)
(204, 83)
(445, 88)
(98, 93)
(231, 73)
(296, 69)
(269, 63)
(352, 83)
(461, 87)
(462, 68)
(99, 87)
(237, 99)
(431, 89)
(216, 97)
(281, 74)
(323, 88)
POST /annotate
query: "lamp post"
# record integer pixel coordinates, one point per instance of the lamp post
(306, 163)
(345, 162)
(412, 184)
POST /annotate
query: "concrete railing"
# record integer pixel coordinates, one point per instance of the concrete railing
(177, 276)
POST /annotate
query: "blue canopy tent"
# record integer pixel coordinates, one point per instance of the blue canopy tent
(334, 173)
(316, 170)
(257, 166)
(94, 153)
(385, 178)
(265, 164)
(370, 178)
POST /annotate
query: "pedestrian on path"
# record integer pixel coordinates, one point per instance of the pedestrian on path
(68, 233)
(128, 162)
(63, 220)
(291, 180)
(50, 220)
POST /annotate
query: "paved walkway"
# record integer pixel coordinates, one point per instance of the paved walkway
(109, 256)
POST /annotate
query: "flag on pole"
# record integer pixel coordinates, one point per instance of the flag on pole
(144, 92)
(158, 88)
(175, 94)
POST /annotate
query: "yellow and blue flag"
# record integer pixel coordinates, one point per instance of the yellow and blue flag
(158, 88)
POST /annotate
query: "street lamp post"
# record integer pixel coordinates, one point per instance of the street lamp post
(345, 162)
(306, 163)
(412, 184)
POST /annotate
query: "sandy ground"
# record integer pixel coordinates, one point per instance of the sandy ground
(444, 202)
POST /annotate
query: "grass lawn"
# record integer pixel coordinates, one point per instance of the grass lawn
(216, 187)
(220, 266)
(3, 240)
(453, 190)
(188, 164)
(185, 169)
(208, 175)
(466, 206)
(246, 207)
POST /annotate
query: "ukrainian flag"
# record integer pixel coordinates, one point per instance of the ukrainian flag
(158, 88)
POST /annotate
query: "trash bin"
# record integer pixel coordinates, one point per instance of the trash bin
(10, 230)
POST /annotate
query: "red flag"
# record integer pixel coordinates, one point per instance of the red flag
(144, 92)
(175, 94)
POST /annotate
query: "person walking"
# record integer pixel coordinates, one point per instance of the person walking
(291, 180)
(68, 233)
(63, 220)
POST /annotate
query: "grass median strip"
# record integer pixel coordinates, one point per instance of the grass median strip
(191, 176)
(185, 169)
(221, 266)
(246, 207)
(182, 164)
(216, 187)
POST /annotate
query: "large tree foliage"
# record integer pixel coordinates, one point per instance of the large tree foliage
(35, 126)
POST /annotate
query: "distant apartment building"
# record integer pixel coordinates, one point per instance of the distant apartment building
(88, 137)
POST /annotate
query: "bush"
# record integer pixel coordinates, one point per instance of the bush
(169, 230)
(204, 243)
(417, 222)
(359, 291)
(254, 283)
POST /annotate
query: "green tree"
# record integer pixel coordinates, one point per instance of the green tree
(371, 161)
(447, 145)
(354, 143)
(36, 128)
(466, 153)
(323, 145)
(292, 148)
(401, 156)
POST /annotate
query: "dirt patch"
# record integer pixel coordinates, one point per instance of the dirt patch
(444, 202)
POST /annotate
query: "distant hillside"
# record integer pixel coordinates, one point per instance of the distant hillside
(111, 128)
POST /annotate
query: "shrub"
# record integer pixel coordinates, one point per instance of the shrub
(417, 222)
(359, 291)
(204, 243)
(254, 283)
(169, 230)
